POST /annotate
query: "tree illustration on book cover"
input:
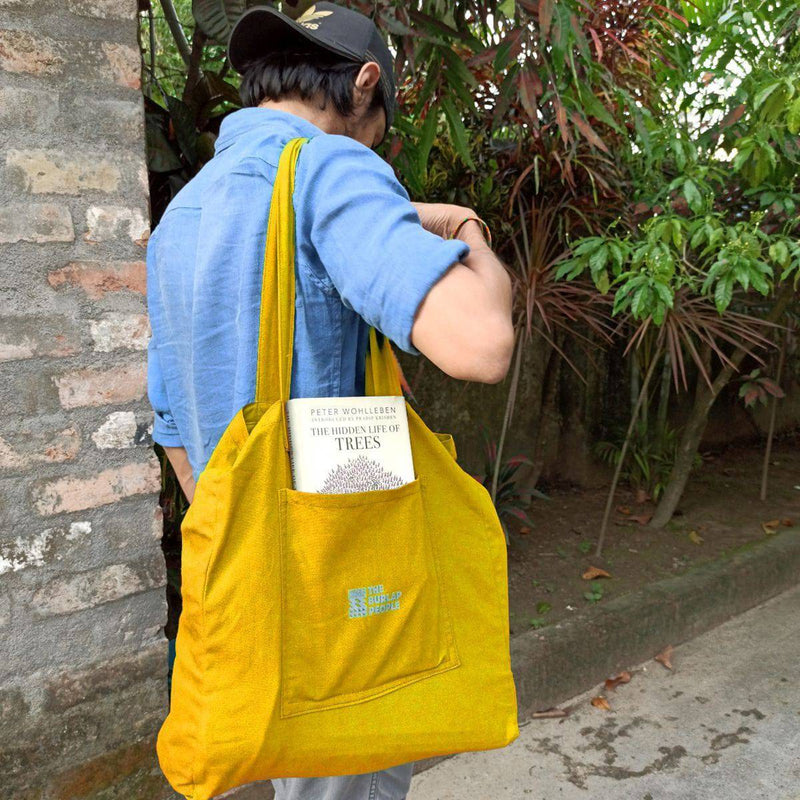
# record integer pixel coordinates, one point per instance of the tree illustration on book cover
(359, 474)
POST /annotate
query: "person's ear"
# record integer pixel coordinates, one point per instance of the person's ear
(366, 81)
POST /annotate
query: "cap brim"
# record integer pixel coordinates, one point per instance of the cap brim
(262, 30)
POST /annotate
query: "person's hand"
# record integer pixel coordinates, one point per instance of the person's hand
(441, 218)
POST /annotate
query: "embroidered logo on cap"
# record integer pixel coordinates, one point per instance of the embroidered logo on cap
(307, 19)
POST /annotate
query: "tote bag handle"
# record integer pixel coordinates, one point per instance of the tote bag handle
(276, 323)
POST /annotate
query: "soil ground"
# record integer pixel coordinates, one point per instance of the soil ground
(719, 514)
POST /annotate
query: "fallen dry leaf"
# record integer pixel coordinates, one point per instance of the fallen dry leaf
(695, 537)
(524, 530)
(550, 712)
(623, 677)
(642, 496)
(623, 509)
(642, 519)
(787, 522)
(594, 572)
(665, 657)
(601, 702)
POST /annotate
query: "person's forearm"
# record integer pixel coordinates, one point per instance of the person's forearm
(482, 260)
(183, 469)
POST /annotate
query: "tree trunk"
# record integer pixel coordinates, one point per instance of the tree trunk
(690, 442)
(705, 396)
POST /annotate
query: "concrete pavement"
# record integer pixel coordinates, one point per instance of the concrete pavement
(723, 724)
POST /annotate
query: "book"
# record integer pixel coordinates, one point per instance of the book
(349, 444)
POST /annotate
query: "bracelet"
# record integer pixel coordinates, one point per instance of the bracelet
(484, 227)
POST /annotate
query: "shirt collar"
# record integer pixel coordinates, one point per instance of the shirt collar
(251, 118)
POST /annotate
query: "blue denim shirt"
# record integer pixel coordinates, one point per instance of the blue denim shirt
(362, 258)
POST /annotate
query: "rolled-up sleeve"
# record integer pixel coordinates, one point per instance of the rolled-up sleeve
(165, 430)
(367, 235)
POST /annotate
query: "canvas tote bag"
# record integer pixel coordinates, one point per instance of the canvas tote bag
(274, 676)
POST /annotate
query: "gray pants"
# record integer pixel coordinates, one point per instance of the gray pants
(386, 784)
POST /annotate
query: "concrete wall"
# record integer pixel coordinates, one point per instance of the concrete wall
(83, 656)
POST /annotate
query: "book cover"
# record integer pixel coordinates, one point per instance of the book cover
(349, 444)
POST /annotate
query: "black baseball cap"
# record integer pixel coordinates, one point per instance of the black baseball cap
(263, 29)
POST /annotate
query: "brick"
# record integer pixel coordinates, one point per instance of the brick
(107, 119)
(118, 431)
(104, 9)
(98, 278)
(34, 55)
(100, 387)
(25, 552)
(57, 172)
(116, 331)
(78, 592)
(86, 685)
(60, 495)
(32, 110)
(27, 390)
(35, 222)
(39, 445)
(40, 548)
(125, 64)
(28, 336)
(105, 223)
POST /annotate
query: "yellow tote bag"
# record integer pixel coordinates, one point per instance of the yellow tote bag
(331, 634)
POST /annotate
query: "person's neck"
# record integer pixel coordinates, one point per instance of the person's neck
(326, 119)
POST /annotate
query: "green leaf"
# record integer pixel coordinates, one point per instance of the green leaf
(458, 67)
(692, 195)
(793, 117)
(184, 125)
(598, 259)
(161, 157)
(426, 139)
(640, 303)
(507, 7)
(678, 151)
(458, 132)
(779, 253)
(215, 17)
(664, 294)
(459, 78)
(594, 108)
(759, 99)
(723, 293)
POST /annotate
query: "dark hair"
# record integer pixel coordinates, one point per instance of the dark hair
(305, 74)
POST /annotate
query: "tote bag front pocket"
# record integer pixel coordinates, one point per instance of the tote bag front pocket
(363, 610)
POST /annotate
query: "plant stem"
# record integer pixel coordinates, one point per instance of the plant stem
(176, 29)
(772, 415)
(618, 470)
(663, 400)
(195, 73)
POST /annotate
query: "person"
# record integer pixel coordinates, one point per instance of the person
(365, 255)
